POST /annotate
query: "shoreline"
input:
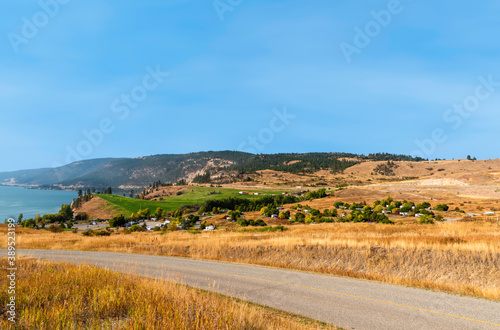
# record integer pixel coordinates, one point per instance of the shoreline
(34, 187)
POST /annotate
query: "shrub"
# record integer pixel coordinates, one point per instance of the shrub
(425, 219)
(117, 221)
(284, 215)
(271, 229)
(439, 217)
(102, 233)
(299, 217)
(260, 222)
(269, 211)
(242, 222)
(338, 205)
(55, 229)
(135, 228)
(442, 207)
(327, 220)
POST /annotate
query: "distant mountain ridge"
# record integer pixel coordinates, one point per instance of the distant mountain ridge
(126, 173)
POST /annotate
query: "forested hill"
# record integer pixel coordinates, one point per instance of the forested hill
(140, 172)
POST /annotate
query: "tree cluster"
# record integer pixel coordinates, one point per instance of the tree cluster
(203, 178)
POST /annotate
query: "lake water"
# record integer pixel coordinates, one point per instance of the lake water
(29, 202)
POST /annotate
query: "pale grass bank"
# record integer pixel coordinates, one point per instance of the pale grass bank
(64, 296)
(461, 258)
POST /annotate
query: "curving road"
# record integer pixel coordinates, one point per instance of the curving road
(344, 302)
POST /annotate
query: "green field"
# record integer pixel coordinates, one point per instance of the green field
(192, 195)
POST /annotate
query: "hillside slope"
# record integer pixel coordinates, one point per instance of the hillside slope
(54, 176)
(224, 166)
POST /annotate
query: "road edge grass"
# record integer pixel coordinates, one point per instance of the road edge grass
(427, 286)
(56, 295)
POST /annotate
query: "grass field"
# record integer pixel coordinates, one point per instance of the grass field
(53, 295)
(192, 195)
(460, 258)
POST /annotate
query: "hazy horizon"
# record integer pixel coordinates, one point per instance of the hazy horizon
(192, 152)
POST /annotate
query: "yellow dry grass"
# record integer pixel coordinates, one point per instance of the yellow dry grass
(481, 172)
(63, 296)
(457, 257)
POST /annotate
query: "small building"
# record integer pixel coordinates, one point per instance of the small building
(489, 213)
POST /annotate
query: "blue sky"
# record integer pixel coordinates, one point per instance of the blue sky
(228, 78)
